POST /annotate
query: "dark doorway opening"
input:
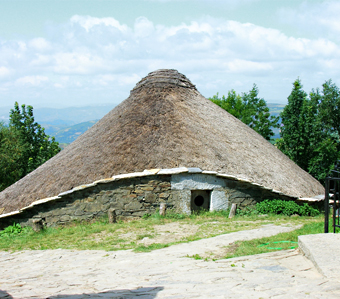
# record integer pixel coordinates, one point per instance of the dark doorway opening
(200, 200)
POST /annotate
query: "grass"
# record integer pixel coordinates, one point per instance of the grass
(282, 241)
(101, 235)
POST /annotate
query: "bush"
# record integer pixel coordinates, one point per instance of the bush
(307, 210)
(11, 230)
(247, 211)
(288, 208)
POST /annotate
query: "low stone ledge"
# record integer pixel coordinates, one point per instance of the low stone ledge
(44, 200)
(194, 170)
(130, 175)
(173, 170)
(81, 187)
(321, 249)
(65, 193)
(244, 180)
(91, 185)
(152, 171)
(209, 172)
(227, 176)
(10, 214)
(258, 185)
(310, 199)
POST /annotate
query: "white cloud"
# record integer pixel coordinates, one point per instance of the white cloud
(40, 44)
(104, 56)
(143, 27)
(4, 71)
(77, 63)
(32, 80)
(243, 66)
(318, 19)
(90, 23)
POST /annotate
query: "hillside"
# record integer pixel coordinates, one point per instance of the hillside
(69, 134)
(68, 123)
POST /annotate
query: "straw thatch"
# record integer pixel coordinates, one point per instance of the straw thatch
(164, 123)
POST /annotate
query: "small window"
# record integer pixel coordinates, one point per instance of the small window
(200, 200)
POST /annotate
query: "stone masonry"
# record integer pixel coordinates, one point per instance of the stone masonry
(134, 195)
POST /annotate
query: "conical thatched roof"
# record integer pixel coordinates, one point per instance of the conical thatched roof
(164, 123)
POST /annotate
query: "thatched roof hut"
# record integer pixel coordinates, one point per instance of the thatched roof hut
(164, 123)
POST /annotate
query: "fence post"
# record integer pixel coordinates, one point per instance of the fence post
(112, 215)
(37, 224)
(162, 209)
(326, 204)
(232, 210)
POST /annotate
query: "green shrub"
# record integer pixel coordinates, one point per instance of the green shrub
(11, 230)
(288, 208)
(307, 210)
(247, 211)
(146, 216)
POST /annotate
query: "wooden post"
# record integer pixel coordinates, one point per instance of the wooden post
(232, 210)
(37, 224)
(162, 209)
(112, 215)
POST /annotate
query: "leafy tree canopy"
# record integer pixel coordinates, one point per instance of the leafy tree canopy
(10, 152)
(23, 146)
(250, 109)
(308, 137)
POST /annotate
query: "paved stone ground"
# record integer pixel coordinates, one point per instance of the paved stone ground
(323, 251)
(164, 273)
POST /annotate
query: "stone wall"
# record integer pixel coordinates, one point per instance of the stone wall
(135, 196)
(132, 197)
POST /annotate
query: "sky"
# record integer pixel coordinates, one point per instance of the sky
(63, 53)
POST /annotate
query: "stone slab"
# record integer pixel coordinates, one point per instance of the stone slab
(10, 214)
(196, 182)
(194, 170)
(65, 193)
(311, 199)
(130, 175)
(209, 172)
(173, 170)
(219, 201)
(152, 171)
(323, 250)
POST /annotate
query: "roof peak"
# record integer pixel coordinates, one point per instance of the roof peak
(163, 78)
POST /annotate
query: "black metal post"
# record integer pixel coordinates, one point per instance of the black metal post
(335, 201)
(326, 204)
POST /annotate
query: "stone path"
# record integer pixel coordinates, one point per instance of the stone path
(323, 251)
(164, 273)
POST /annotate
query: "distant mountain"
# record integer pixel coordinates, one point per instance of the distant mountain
(275, 109)
(69, 134)
(63, 117)
(67, 124)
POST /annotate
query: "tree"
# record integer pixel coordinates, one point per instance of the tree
(330, 107)
(10, 152)
(304, 137)
(24, 145)
(292, 142)
(250, 109)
